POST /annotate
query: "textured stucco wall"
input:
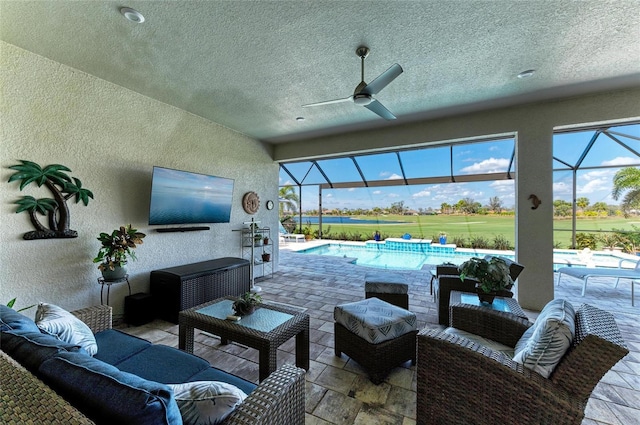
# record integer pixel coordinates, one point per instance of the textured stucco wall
(110, 138)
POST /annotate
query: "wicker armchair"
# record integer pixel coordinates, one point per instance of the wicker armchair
(25, 399)
(462, 382)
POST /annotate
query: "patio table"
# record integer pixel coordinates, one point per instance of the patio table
(265, 330)
(505, 304)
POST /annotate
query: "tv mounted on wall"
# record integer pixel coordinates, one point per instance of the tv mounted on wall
(181, 197)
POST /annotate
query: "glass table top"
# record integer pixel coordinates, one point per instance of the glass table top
(499, 304)
(263, 319)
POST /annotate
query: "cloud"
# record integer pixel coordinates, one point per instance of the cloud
(385, 173)
(491, 165)
(594, 186)
(503, 186)
(329, 195)
(351, 189)
(377, 192)
(561, 188)
(393, 195)
(422, 194)
(621, 160)
(596, 175)
(394, 176)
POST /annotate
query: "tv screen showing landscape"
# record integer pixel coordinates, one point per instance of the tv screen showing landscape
(181, 197)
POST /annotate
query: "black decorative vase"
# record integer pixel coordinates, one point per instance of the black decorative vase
(243, 309)
(486, 298)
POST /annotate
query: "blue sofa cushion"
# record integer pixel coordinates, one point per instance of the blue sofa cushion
(164, 364)
(159, 362)
(107, 395)
(115, 346)
(213, 374)
(12, 320)
(30, 348)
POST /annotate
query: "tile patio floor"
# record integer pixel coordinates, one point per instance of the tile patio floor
(338, 392)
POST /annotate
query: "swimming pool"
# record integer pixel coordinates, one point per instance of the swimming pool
(415, 256)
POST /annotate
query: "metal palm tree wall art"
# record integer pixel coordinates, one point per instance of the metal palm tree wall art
(54, 177)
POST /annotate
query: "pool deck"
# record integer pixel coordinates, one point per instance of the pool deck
(337, 389)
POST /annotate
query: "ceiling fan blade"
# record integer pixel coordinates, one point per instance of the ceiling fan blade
(383, 79)
(328, 102)
(379, 109)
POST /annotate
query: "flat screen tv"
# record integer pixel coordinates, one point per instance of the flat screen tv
(181, 197)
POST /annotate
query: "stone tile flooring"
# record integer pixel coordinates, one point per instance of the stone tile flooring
(337, 390)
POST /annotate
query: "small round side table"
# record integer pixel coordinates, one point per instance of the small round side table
(108, 283)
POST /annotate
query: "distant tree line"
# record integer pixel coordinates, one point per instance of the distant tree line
(626, 185)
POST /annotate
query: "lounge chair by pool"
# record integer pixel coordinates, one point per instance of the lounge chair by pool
(287, 236)
(585, 273)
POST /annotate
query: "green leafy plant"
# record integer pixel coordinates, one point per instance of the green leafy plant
(586, 240)
(11, 303)
(480, 242)
(492, 275)
(501, 243)
(246, 304)
(117, 247)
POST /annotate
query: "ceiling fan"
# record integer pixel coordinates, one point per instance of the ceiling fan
(363, 94)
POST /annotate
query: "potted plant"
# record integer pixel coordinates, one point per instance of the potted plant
(266, 240)
(443, 238)
(246, 304)
(266, 257)
(492, 275)
(257, 239)
(117, 247)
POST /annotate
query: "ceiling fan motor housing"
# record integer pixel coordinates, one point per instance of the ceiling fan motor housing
(362, 99)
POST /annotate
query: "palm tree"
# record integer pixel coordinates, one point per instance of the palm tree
(33, 206)
(54, 178)
(582, 203)
(627, 179)
(288, 197)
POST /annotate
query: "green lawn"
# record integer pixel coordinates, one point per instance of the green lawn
(488, 226)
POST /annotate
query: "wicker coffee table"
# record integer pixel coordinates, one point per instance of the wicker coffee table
(265, 330)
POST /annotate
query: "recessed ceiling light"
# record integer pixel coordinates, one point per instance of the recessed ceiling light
(132, 15)
(526, 74)
(300, 119)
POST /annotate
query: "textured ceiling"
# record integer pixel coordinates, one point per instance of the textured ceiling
(250, 65)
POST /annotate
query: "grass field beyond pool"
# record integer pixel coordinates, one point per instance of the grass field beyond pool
(465, 226)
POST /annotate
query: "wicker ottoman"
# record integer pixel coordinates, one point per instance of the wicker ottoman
(376, 334)
(392, 288)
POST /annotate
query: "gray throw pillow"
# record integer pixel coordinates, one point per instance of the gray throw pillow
(543, 345)
(206, 402)
(67, 327)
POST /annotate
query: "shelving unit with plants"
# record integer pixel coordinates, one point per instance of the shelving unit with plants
(257, 247)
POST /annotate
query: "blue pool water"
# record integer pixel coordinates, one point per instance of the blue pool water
(413, 256)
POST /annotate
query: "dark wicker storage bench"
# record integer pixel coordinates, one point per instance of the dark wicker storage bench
(178, 288)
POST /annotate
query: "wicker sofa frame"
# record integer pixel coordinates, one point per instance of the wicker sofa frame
(462, 382)
(278, 399)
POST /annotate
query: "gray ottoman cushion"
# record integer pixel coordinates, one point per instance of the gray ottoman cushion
(375, 320)
(385, 283)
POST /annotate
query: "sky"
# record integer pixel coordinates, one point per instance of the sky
(469, 158)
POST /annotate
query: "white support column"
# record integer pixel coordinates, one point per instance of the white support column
(534, 227)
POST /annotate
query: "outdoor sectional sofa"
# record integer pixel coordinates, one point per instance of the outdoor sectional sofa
(46, 380)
